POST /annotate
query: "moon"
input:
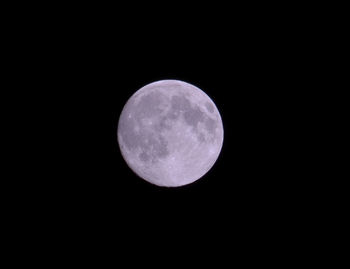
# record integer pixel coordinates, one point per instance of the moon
(170, 133)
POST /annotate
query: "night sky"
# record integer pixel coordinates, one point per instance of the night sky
(248, 79)
(84, 68)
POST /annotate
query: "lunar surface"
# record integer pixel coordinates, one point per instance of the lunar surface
(170, 133)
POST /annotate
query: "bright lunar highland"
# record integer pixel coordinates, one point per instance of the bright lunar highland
(170, 133)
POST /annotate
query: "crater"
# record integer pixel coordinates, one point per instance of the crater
(153, 148)
(201, 137)
(163, 124)
(161, 148)
(128, 133)
(209, 107)
(144, 156)
(173, 114)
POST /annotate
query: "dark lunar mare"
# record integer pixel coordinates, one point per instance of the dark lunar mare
(192, 115)
(170, 119)
(151, 144)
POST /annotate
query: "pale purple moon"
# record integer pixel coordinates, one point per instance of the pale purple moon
(170, 133)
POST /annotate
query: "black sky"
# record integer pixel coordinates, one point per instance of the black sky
(82, 69)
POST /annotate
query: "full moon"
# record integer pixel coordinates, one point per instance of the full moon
(170, 133)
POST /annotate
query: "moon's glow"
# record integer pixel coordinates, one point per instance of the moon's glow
(170, 133)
